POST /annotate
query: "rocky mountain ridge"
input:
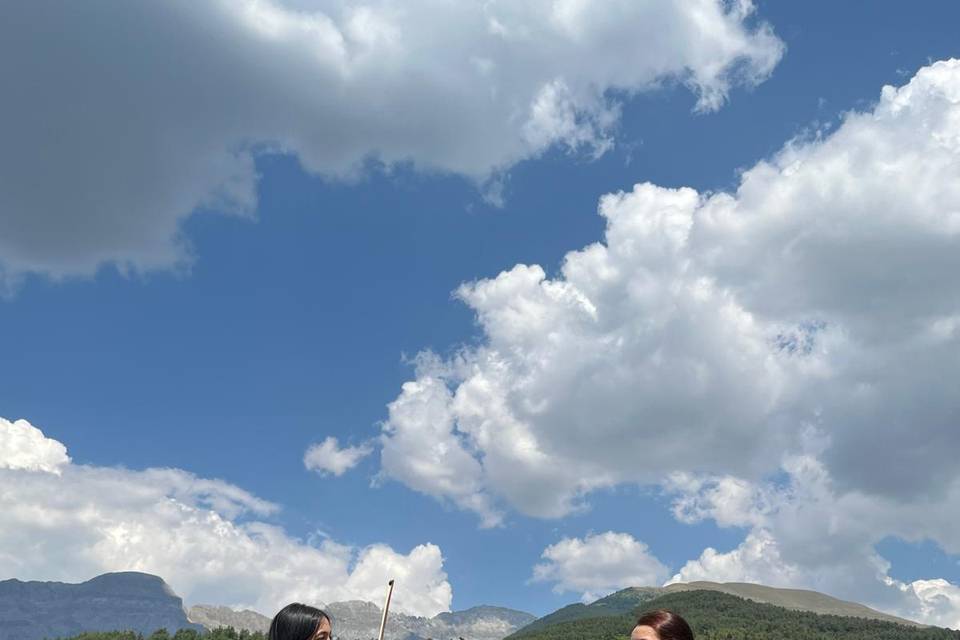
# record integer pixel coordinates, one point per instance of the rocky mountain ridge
(127, 600)
(212, 617)
(360, 620)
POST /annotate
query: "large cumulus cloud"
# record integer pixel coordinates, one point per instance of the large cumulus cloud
(212, 541)
(815, 308)
(710, 332)
(120, 119)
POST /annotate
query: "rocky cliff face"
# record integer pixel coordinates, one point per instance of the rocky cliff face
(359, 620)
(129, 600)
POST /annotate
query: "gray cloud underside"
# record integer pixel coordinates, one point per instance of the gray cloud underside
(121, 119)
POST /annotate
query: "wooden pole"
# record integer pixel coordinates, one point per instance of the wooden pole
(386, 607)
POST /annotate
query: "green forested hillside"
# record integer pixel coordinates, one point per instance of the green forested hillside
(622, 602)
(719, 616)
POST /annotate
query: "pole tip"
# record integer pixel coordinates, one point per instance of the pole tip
(390, 584)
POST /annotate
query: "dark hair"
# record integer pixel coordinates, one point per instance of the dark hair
(296, 622)
(667, 624)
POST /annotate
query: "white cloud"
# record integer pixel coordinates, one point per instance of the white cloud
(420, 447)
(599, 564)
(328, 458)
(939, 601)
(605, 375)
(756, 560)
(121, 119)
(711, 332)
(808, 533)
(732, 502)
(23, 446)
(853, 240)
(202, 536)
(813, 310)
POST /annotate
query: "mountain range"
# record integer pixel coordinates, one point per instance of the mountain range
(144, 603)
(360, 620)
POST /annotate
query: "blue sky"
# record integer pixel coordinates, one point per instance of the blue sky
(299, 319)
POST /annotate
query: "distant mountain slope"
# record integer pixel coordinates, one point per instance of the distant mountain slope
(483, 622)
(128, 600)
(798, 599)
(213, 617)
(360, 620)
(628, 599)
(715, 615)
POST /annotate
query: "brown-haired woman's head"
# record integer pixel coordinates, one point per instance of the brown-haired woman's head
(661, 625)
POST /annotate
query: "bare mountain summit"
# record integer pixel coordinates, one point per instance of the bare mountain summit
(797, 599)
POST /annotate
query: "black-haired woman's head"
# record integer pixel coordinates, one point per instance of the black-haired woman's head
(661, 625)
(300, 622)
